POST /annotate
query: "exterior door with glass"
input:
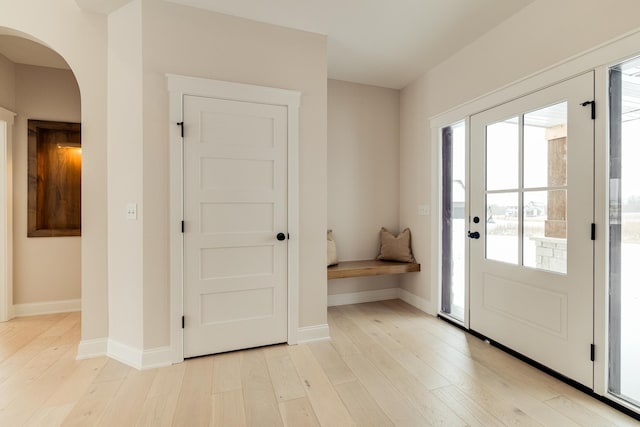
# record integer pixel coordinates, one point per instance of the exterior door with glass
(530, 228)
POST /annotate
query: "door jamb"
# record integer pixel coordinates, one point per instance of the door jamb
(180, 86)
(6, 215)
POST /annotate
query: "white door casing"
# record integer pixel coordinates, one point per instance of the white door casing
(6, 215)
(544, 315)
(285, 104)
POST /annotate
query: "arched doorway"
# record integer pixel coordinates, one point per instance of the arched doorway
(81, 39)
(41, 275)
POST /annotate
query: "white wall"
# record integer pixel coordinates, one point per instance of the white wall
(541, 35)
(363, 174)
(178, 40)
(191, 42)
(45, 268)
(124, 151)
(7, 83)
(80, 38)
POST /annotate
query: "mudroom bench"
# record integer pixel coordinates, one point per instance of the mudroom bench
(346, 269)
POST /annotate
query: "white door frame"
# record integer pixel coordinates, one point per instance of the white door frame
(180, 86)
(6, 215)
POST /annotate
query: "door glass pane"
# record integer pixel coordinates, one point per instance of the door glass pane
(624, 231)
(545, 240)
(453, 220)
(502, 155)
(502, 227)
(545, 147)
(544, 164)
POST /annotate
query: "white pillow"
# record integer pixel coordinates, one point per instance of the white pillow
(332, 252)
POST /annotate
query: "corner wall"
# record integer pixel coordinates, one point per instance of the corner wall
(543, 34)
(192, 42)
(363, 175)
(58, 25)
(124, 157)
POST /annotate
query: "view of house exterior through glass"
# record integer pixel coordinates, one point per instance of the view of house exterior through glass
(624, 231)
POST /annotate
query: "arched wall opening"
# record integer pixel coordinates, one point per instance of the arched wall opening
(81, 39)
(38, 86)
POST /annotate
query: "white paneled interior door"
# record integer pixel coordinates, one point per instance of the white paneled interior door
(531, 214)
(235, 207)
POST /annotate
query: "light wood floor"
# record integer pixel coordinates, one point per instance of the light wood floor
(388, 364)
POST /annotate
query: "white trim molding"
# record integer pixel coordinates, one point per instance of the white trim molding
(156, 357)
(382, 295)
(179, 87)
(416, 301)
(47, 307)
(362, 297)
(139, 359)
(6, 214)
(308, 334)
(88, 349)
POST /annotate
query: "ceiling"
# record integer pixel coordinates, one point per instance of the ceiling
(386, 43)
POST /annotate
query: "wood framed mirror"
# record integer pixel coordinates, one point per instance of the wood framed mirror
(54, 172)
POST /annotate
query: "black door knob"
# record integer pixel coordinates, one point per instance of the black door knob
(473, 234)
(281, 236)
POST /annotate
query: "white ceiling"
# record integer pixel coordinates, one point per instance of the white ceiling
(386, 43)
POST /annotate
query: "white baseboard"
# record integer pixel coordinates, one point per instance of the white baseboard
(381, 295)
(49, 307)
(416, 301)
(147, 359)
(139, 359)
(88, 349)
(361, 297)
(313, 333)
(156, 357)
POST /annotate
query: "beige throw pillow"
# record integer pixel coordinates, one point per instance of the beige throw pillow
(395, 248)
(332, 252)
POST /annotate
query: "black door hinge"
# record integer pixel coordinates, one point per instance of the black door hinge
(182, 322)
(593, 352)
(182, 226)
(288, 237)
(181, 124)
(593, 231)
(593, 108)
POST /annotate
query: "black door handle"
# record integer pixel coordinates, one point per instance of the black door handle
(473, 234)
(281, 236)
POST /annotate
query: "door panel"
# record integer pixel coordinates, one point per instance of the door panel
(531, 269)
(235, 284)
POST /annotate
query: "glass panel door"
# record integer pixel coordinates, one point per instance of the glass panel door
(453, 221)
(624, 231)
(530, 252)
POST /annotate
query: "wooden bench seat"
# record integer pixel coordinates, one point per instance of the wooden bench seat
(364, 268)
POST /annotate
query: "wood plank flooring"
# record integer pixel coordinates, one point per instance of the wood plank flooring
(388, 364)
